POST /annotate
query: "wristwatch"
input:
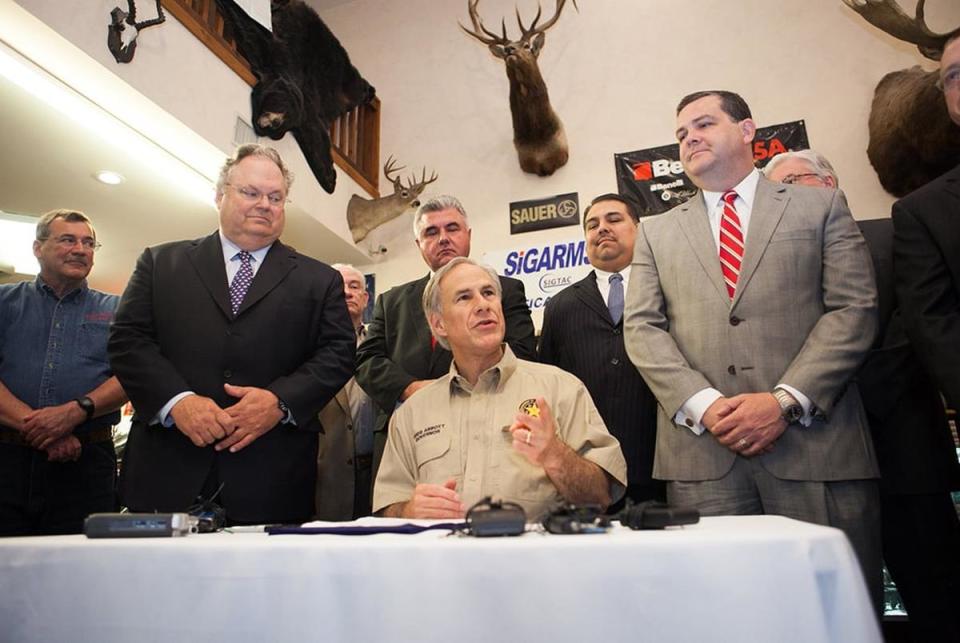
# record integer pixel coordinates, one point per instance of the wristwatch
(790, 409)
(87, 405)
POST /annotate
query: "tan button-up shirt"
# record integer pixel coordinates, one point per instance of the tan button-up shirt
(449, 429)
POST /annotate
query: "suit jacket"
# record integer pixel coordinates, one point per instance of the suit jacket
(398, 351)
(174, 332)
(336, 460)
(927, 271)
(579, 337)
(907, 419)
(804, 314)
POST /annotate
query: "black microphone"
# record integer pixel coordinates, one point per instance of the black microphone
(653, 514)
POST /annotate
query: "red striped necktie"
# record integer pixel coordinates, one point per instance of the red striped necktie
(731, 242)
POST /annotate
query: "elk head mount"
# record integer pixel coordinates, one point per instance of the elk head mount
(537, 131)
(364, 215)
(912, 139)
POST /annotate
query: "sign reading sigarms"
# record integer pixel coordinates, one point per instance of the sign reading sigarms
(540, 214)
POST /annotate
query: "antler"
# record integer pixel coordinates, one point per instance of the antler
(390, 168)
(533, 29)
(887, 16)
(417, 186)
(480, 32)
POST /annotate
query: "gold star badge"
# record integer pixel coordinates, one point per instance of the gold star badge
(530, 408)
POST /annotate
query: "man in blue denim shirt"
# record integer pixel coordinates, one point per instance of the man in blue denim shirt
(58, 397)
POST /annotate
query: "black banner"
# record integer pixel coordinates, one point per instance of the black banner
(655, 176)
(540, 214)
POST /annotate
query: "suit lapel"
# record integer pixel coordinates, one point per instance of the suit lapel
(207, 259)
(589, 293)
(695, 224)
(280, 260)
(768, 207)
(952, 182)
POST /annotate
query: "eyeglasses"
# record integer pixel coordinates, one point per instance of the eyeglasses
(950, 80)
(69, 241)
(790, 179)
(253, 195)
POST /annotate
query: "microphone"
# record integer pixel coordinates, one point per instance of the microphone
(652, 514)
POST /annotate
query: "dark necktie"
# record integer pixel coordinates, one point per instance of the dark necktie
(615, 299)
(241, 281)
(731, 243)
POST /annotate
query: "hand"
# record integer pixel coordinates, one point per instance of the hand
(45, 426)
(753, 425)
(535, 436)
(412, 388)
(719, 409)
(434, 501)
(200, 419)
(257, 412)
(66, 449)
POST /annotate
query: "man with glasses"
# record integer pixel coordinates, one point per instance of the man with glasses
(58, 397)
(229, 346)
(926, 253)
(803, 167)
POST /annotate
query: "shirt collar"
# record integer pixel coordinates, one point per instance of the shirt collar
(44, 288)
(745, 189)
(230, 250)
(502, 370)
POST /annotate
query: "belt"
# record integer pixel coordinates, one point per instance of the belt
(103, 434)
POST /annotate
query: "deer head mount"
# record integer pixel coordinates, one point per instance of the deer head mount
(912, 139)
(537, 131)
(364, 215)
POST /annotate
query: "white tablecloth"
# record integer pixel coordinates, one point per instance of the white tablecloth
(743, 579)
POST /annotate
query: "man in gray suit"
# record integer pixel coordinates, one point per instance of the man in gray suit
(749, 309)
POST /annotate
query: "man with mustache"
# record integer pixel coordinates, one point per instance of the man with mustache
(494, 425)
(583, 334)
(58, 396)
(399, 355)
(750, 308)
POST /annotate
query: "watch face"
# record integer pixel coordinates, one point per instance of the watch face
(793, 414)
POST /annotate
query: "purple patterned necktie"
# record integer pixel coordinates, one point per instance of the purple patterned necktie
(241, 281)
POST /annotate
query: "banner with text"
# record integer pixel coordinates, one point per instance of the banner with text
(540, 214)
(655, 176)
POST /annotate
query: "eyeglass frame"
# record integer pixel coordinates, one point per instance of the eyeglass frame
(253, 195)
(70, 240)
(791, 179)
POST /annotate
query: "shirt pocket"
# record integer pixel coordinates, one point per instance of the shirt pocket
(92, 341)
(435, 462)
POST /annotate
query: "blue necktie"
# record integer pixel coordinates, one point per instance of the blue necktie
(615, 299)
(241, 281)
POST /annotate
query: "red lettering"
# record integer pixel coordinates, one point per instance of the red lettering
(642, 171)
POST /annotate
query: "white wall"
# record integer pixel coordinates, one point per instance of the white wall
(615, 71)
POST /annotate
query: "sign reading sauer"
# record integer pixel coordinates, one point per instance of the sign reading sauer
(540, 214)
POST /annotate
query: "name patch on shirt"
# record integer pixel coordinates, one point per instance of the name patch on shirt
(101, 316)
(430, 430)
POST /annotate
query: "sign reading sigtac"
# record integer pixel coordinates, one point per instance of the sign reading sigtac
(540, 214)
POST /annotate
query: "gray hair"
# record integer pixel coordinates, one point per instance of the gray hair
(70, 216)
(254, 149)
(350, 268)
(817, 162)
(431, 294)
(438, 203)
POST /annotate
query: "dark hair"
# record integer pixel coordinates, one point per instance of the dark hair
(732, 104)
(633, 209)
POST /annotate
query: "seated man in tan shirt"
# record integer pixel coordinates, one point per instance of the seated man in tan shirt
(494, 425)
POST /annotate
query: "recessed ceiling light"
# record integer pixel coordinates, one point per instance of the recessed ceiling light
(109, 177)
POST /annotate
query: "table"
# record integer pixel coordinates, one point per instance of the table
(743, 579)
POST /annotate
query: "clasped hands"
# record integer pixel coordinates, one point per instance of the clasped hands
(50, 429)
(748, 424)
(234, 427)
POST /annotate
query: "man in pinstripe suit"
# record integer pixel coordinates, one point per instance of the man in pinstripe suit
(583, 334)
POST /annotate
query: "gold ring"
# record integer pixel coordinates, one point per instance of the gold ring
(743, 443)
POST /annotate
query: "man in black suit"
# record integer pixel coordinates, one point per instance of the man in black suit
(911, 437)
(228, 346)
(583, 334)
(926, 252)
(400, 355)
